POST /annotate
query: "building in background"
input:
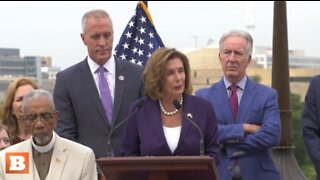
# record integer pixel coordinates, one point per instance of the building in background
(203, 61)
(12, 65)
(206, 68)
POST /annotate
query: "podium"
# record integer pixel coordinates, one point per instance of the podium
(158, 168)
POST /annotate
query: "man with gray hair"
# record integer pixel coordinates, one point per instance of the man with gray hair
(247, 113)
(94, 95)
(46, 155)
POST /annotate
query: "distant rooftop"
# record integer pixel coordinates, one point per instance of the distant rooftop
(9, 52)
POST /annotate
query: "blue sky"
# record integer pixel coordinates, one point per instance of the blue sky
(53, 28)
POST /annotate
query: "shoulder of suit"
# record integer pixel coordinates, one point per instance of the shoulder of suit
(203, 90)
(315, 80)
(262, 87)
(19, 147)
(73, 145)
(74, 67)
(128, 64)
(196, 100)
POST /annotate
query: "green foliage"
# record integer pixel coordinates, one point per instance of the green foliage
(256, 78)
(300, 151)
(309, 171)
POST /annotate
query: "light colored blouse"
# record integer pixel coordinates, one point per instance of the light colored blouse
(172, 135)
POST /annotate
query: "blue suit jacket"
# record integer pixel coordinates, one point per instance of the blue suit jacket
(311, 122)
(81, 113)
(144, 134)
(258, 105)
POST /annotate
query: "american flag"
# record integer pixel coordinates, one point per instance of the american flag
(139, 39)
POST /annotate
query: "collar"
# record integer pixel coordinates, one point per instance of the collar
(241, 84)
(46, 148)
(109, 65)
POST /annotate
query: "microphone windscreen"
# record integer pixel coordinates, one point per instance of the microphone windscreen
(140, 103)
(176, 104)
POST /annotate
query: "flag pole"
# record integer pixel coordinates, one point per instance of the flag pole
(284, 153)
(146, 3)
(140, 38)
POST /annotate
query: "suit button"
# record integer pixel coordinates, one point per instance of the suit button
(238, 153)
(233, 141)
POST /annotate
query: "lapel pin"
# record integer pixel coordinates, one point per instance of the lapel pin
(121, 78)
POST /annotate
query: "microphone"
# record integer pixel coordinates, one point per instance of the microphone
(138, 107)
(178, 106)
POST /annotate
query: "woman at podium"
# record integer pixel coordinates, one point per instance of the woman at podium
(169, 121)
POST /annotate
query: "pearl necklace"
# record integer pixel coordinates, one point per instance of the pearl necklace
(172, 112)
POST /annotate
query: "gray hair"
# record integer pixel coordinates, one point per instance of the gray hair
(97, 14)
(35, 94)
(238, 33)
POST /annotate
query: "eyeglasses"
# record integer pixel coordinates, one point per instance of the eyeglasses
(45, 117)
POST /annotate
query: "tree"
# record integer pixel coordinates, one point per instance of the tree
(300, 151)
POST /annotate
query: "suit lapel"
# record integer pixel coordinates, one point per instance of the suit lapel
(154, 116)
(58, 160)
(33, 173)
(220, 95)
(185, 125)
(248, 95)
(90, 86)
(120, 79)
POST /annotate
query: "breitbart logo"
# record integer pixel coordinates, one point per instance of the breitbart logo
(17, 163)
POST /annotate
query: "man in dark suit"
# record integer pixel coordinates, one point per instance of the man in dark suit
(247, 113)
(77, 94)
(311, 122)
